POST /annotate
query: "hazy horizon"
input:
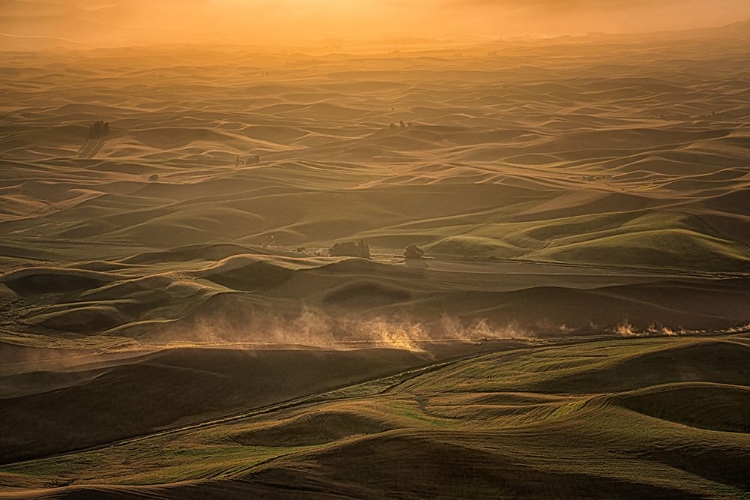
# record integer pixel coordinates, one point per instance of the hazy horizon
(289, 22)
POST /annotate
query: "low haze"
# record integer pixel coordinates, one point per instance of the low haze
(289, 22)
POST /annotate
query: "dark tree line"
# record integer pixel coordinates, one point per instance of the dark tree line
(98, 130)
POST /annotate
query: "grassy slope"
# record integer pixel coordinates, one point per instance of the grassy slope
(663, 240)
(60, 411)
(661, 417)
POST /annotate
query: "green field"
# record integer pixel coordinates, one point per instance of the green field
(654, 417)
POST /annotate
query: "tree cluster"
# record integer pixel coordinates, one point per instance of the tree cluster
(244, 161)
(401, 125)
(413, 252)
(350, 249)
(98, 130)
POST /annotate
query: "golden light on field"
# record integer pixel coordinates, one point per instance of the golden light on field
(374, 249)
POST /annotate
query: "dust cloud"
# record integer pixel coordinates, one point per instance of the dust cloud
(625, 329)
(314, 328)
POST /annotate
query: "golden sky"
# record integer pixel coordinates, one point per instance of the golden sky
(291, 21)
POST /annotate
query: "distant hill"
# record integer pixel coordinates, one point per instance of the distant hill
(39, 25)
(47, 24)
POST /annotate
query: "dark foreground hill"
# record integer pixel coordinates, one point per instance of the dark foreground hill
(623, 418)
